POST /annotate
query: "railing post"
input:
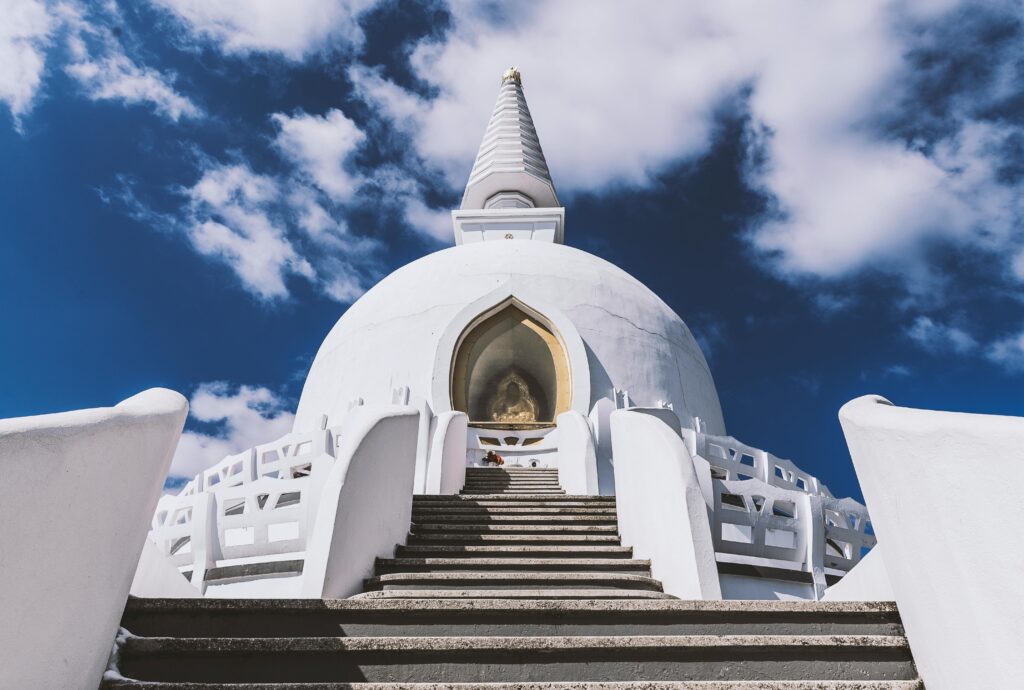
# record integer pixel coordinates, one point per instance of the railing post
(814, 516)
(204, 538)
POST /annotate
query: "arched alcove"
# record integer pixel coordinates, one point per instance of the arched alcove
(510, 370)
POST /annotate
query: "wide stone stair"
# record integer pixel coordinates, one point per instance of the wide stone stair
(504, 587)
(513, 534)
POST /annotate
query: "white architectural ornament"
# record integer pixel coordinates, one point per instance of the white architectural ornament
(510, 195)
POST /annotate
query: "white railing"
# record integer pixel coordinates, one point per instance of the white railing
(520, 446)
(767, 511)
(258, 503)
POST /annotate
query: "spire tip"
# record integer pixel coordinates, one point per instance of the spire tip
(511, 74)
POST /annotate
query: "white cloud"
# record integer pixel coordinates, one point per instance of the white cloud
(96, 58)
(939, 337)
(294, 29)
(1008, 352)
(247, 417)
(320, 148)
(232, 220)
(621, 93)
(102, 67)
(25, 34)
(115, 77)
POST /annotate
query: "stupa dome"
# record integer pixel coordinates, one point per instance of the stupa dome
(604, 329)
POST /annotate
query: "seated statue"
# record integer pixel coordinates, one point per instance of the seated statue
(512, 402)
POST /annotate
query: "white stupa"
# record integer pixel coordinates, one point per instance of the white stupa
(501, 438)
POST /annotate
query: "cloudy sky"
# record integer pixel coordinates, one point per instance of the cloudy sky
(829, 193)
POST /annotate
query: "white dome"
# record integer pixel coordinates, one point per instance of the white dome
(403, 332)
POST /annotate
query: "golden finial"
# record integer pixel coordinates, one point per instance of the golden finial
(511, 74)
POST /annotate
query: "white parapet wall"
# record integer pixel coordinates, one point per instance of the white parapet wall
(78, 491)
(944, 490)
(446, 464)
(366, 503)
(662, 513)
(577, 456)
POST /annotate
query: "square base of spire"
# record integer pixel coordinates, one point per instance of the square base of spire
(481, 225)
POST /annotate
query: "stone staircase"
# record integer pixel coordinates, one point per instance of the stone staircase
(511, 584)
(513, 534)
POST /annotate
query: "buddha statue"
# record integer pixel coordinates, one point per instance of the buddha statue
(512, 402)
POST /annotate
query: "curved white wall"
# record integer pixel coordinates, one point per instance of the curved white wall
(661, 511)
(389, 338)
(78, 491)
(944, 491)
(366, 504)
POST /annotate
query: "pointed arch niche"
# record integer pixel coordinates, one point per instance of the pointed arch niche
(510, 369)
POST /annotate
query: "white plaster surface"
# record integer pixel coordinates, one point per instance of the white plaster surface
(577, 457)
(446, 471)
(390, 337)
(868, 581)
(661, 511)
(366, 504)
(156, 576)
(944, 491)
(75, 505)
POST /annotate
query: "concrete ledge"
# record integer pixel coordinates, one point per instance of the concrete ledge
(113, 683)
(276, 645)
(852, 608)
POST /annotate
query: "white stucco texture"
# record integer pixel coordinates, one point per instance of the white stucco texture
(944, 491)
(366, 505)
(868, 581)
(78, 491)
(617, 333)
(661, 511)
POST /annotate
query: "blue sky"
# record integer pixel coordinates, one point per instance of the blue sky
(829, 194)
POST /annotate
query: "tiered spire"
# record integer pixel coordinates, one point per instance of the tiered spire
(510, 156)
(510, 194)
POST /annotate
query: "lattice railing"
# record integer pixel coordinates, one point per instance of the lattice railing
(765, 507)
(259, 502)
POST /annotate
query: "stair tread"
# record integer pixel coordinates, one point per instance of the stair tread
(117, 682)
(510, 550)
(517, 562)
(516, 578)
(443, 644)
(501, 538)
(428, 498)
(518, 595)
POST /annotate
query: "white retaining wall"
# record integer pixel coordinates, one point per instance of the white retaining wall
(661, 511)
(78, 490)
(944, 490)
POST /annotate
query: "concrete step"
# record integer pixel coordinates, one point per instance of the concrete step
(121, 683)
(464, 503)
(570, 498)
(524, 659)
(511, 580)
(450, 528)
(494, 492)
(581, 565)
(504, 538)
(473, 551)
(526, 595)
(515, 519)
(387, 616)
(512, 509)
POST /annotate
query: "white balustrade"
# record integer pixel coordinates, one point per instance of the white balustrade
(258, 503)
(768, 511)
(519, 446)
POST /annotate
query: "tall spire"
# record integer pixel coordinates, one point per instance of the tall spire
(510, 194)
(510, 157)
